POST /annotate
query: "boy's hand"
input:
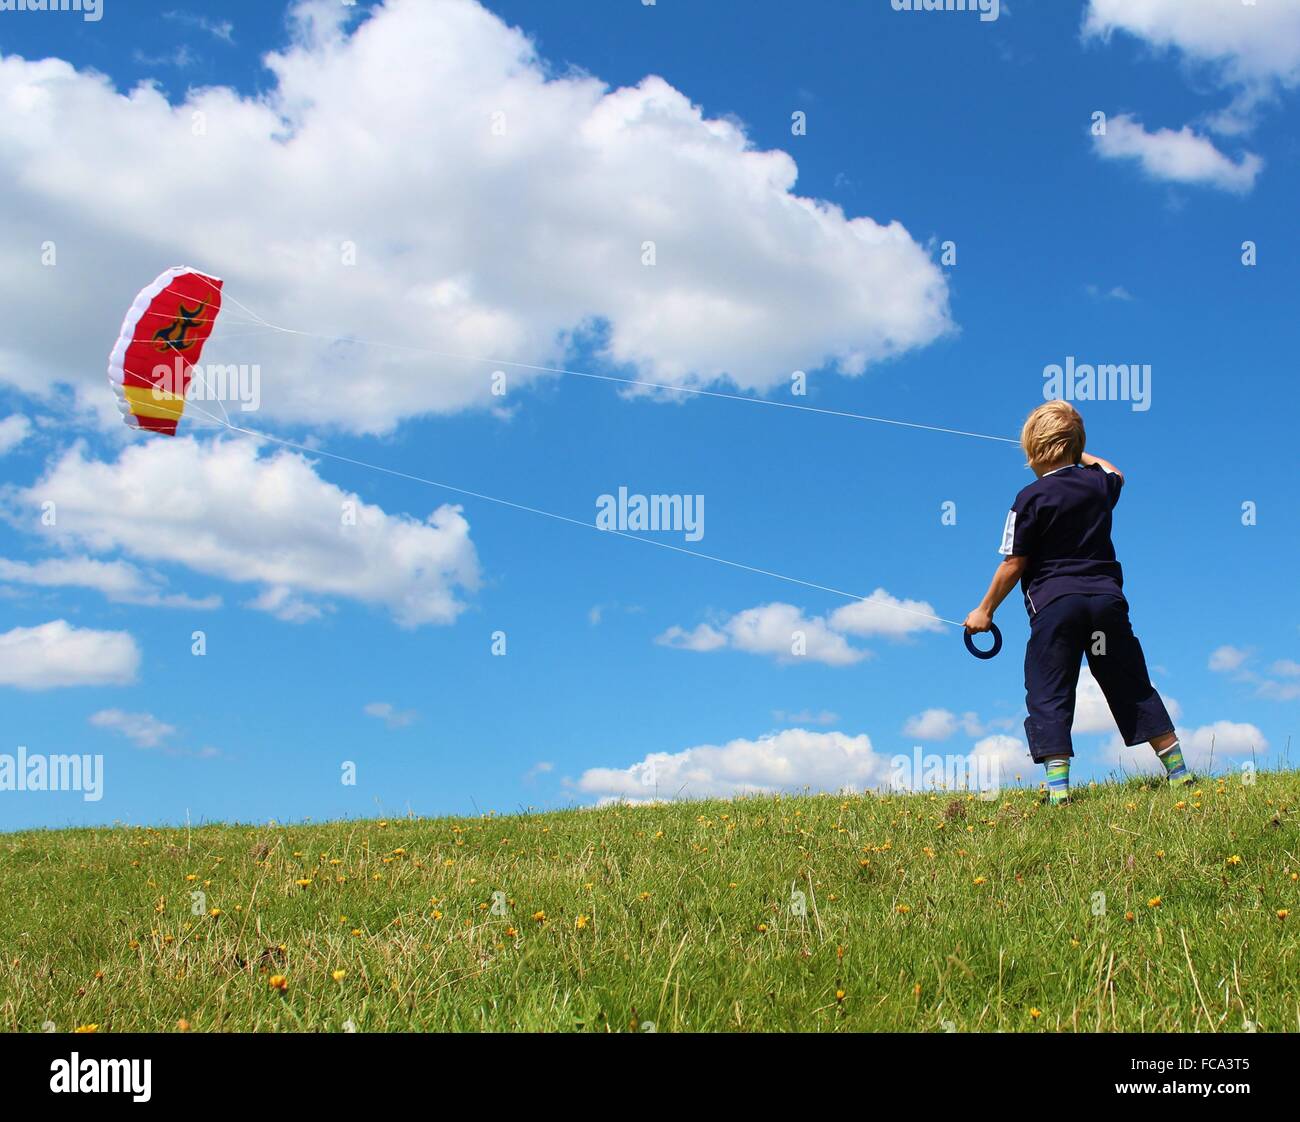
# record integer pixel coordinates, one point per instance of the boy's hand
(978, 621)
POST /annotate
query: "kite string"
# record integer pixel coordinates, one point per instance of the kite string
(633, 382)
(315, 451)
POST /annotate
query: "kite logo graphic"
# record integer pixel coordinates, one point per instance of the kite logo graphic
(173, 337)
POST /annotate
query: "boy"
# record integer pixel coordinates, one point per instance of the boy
(1057, 545)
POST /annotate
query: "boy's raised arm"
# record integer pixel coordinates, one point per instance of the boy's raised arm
(1088, 460)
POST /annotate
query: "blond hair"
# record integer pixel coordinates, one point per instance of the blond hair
(1053, 432)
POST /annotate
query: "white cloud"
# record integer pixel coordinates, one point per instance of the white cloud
(787, 760)
(1203, 747)
(1115, 292)
(392, 717)
(144, 730)
(775, 629)
(469, 239)
(1008, 755)
(1250, 49)
(1287, 668)
(1225, 738)
(13, 431)
(221, 510)
(1177, 157)
(883, 614)
(1249, 43)
(218, 29)
(933, 724)
(702, 638)
(1227, 658)
(780, 630)
(57, 654)
(119, 581)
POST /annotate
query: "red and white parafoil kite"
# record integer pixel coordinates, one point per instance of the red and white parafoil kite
(162, 338)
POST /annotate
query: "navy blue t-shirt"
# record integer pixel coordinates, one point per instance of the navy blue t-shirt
(1061, 523)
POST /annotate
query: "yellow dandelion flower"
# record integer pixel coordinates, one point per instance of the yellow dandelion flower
(1129, 917)
(279, 982)
(1282, 913)
(1154, 902)
(539, 916)
(903, 909)
(981, 880)
(840, 995)
(338, 975)
(1035, 1013)
(86, 1028)
(761, 928)
(1235, 859)
(182, 1025)
(581, 922)
(302, 882)
(644, 896)
(511, 932)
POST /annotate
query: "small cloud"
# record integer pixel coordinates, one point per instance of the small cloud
(144, 730)
(119, 581)
(13, 431)
(392, 717)
(703, 638)
(784, 761)
(56, 654)
(218, 29)
(1116, 292)
(886, 615)
(1225, 659)
(181, 58)
(1177, 157)
(542, 767)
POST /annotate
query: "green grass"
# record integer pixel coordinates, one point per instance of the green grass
(691, 922)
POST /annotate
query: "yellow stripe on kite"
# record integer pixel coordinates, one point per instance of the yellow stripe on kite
(150, 402)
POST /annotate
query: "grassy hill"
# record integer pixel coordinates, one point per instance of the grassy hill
(924, 913)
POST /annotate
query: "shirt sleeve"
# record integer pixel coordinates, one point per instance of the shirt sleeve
(1114, 484)
(1020, 533)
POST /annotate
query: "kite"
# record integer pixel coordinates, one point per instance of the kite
(161, 340)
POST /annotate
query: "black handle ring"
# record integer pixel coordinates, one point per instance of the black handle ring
(992, 651)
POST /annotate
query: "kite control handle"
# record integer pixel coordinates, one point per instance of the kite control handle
(993, 650)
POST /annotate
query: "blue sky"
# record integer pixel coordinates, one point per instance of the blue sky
(1118, 249)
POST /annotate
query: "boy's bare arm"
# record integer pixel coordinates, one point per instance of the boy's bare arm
(1005, 578)
(1088, 460)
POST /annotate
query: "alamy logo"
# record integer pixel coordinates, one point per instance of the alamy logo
(921, 771)
(1103, 382)
(231, 382)
(989, 10)
(102, 1077)
(630, 513)
(36, 772)
(92, 11)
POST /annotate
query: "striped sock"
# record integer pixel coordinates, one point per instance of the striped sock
(1175, 765)
(1058, 779)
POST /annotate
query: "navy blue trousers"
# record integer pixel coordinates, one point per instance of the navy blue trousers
(1067, 629)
